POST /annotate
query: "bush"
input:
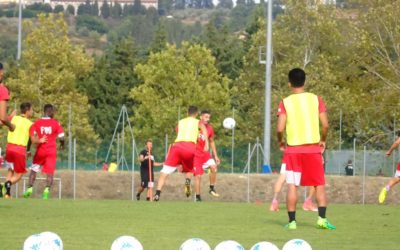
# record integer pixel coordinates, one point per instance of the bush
(26, 13)
(91, 23)
(58, 9)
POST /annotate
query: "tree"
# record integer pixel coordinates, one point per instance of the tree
(70, 9)
(105, 10)
(160, 41)
(85, 9)
(47, 8)
(49, 69)
(58, 9)
(192, 79)
(137, 7)
(227, 4)
(107, 87)
(116, 10)
(95, 8)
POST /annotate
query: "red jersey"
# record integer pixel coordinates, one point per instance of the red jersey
(201, 141)
(4, 94)
(49, 127)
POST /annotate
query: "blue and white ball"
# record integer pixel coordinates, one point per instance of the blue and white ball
(195, 244)
(229, 245)
(264, 245)
(126, 243)
(297, 244)
(33, 242)
(229, 123)
(51, 241)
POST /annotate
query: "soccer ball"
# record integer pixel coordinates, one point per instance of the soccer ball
(195, 243)
(126, 243)
(229, 123)
(33, 242)
(297, 244)
(51, 241)
(229, 245)
(264, 246)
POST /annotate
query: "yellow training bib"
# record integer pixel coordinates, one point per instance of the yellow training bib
(20, 136)
(188, 130)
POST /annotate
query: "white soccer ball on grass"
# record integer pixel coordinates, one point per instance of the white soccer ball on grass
(264, 245)
(33, 242)
(51, 241)
(229, 245)
(195, 244)
(126, 243)
(297, 244)
(229, 123)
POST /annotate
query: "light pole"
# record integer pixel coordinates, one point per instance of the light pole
(19, 31)
(267, 121)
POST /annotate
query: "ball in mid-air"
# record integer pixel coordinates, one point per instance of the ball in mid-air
(229, 123)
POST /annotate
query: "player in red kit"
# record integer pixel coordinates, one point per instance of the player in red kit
(46, 153)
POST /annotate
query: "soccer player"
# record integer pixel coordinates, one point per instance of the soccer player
(18, 142)
(46, 153)
(396, 178)
(203, 160)
(300, 115)
(307, 205)
(4, 97)
(146, 157)
(182, 151)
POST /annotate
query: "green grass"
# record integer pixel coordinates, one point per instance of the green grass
(89, 224)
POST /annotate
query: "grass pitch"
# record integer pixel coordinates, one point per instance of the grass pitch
(92, 224)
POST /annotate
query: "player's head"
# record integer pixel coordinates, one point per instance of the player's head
(193, 111)
(1, 72)
(205, 116)
(297, 78)
(49, 110)
(26, 109)
(149, 144)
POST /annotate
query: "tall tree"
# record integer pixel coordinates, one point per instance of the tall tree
(95, 8)
(116, 10)
(160, 40)
(192, 79)
(105, 10)
(49, 69)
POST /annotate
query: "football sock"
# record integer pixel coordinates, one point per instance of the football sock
(187, 182)
(387, 188)
(292, 216)
(198, 196)
(8, 187)
(147, 198)
(158, 192)
(211, 187)
(322, 212)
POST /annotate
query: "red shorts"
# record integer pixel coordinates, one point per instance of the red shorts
(305, 169)
(181, 153)
(200, 158)
(16, 158)
(42, 161)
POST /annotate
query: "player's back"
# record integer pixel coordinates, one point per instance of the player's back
(50, 128)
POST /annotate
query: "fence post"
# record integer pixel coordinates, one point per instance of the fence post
(354, 156)
(365, 167)
(74, 161)
(248, 173)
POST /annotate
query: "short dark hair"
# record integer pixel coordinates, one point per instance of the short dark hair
(25, 107)
(193, 110)
(297, 77)
(205, 111)
(149, 140)
(1, 66)
(48, 108)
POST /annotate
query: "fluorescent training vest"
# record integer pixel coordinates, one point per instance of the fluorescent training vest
(20, 136)
(188, 130)
(302, 122)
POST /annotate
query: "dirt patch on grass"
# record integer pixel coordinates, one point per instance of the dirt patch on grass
(232, 187)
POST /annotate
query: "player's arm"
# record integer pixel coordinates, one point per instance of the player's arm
(62, 142)
(280, 129)
(323, 117)
(4, 116)
(205, 134)
(393, 147)
(214, 150)
(158, 164)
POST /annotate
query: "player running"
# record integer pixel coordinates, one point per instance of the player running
(307, 205)
(146, 159)
(46, 153)
(18, 143)
(300, 115)
(4, 97)
(203, 160)
(182, 151)
(396, 178)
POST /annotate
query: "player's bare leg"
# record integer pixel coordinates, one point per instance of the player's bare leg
(32, 178)
(160, 184)
(12, 178)
(49, 183)
(197, 187)
(322, 201)
(291, 201)
(277, 190)
(213, 181)
(308, 204)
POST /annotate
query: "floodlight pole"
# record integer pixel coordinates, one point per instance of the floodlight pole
(19, 31)
(267, 122)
